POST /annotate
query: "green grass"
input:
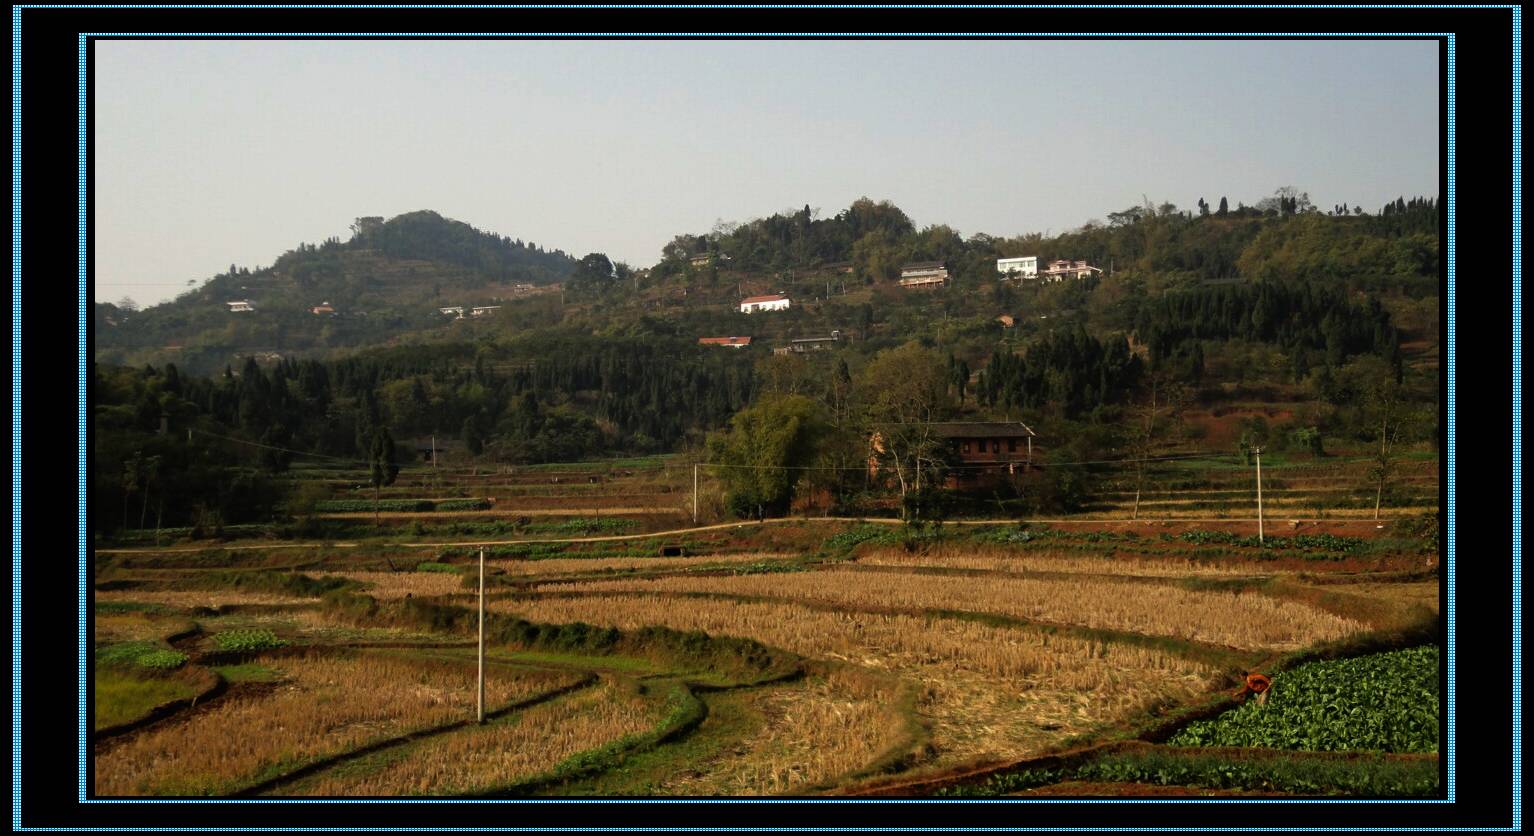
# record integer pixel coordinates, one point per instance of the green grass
(249, 672)
(433, 566)
(142, 654)
(122, 697)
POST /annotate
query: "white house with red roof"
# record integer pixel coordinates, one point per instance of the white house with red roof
(773, 302)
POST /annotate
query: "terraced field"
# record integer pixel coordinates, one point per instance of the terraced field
(797, 657)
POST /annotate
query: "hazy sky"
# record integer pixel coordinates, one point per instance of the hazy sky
(209, 153)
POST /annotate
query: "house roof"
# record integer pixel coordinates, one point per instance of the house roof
(983, 429)
(924, 265)
(775, 297)
(724, 341)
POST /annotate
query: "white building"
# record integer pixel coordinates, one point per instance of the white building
(243, 305)
(1022, 267)
(456, 311)
(484, 310)
(775, 302)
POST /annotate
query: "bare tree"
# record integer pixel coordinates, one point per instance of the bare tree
(905, 390)
(1389, 418)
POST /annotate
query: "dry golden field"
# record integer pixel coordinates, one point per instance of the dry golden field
(997, 559)
(321, 705)
(198, 597)
(555, 567)
(988, 690)
(831, 725)
(390, 585)
(1247, 620)
(478, 759)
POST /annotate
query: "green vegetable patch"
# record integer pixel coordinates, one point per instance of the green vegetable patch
(1386, 702)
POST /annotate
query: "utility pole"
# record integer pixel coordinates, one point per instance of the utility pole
(695, 493)
(1258, 452)
(434, 452)
(481, 711)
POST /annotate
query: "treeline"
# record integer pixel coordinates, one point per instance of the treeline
(1282, 237)
(1298, 318)
(1068, 369)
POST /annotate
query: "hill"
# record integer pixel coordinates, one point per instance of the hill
(390, 278)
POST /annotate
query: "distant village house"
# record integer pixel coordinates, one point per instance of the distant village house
(773, 302)
(323, 309)
(804, 345)
(455, 311)
(241, 306)
(732, 342)
(984, 453)
(484, 310)
(924, 274)
(1061, 269)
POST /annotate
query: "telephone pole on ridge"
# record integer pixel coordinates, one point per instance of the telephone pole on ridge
(481, 702)
(1258, 452)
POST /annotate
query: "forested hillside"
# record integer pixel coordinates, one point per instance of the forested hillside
(1319, 320)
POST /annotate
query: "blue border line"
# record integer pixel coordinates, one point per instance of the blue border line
(81, 371)
(1517, 417)
(1448, 748)
(83, 296)
(16, 415)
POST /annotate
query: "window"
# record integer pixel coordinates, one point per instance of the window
(964, 447)
(1011, 445)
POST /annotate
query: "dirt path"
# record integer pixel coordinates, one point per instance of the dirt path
(1352, 527)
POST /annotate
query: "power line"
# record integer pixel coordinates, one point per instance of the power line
(282, 449)
(987, 465)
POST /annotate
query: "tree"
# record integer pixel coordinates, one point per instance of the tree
(381, 466)
(905, 390)
(473, 437)
(1224, 207)
(1203, 208)
(765, 450)
(1158, 396)
(594, 275)
(127, 304)
(1388, 417)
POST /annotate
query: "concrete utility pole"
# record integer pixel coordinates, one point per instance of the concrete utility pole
(695, 493)
(481, 711)
(1258, 452)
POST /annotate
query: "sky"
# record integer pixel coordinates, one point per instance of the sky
(211, 153)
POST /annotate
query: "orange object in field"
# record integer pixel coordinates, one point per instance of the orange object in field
(1256, 683)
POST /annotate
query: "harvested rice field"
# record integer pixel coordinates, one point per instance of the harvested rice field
(795, 659)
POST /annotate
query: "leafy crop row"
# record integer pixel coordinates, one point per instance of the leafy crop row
(1386, 702)
(247, 640)
(1375, 777)
(1299, 542)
